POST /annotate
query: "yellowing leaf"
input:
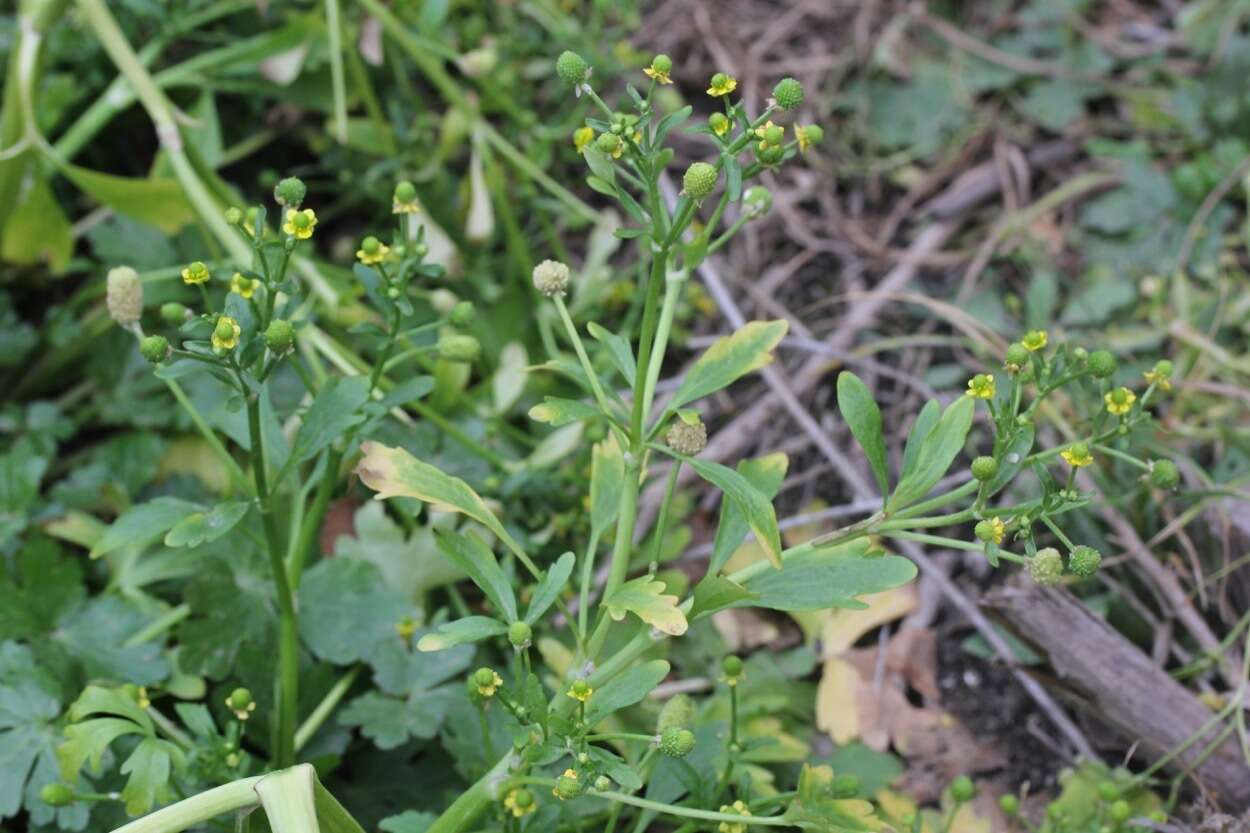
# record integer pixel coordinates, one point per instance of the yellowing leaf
(730, 358)
(843, 628)
(393, 472)
(645, 598)
(837, 705)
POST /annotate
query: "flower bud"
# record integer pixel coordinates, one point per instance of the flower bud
(1120, 811)
(699, 180)
(788, 93)
(1164, 474)
(769, 154)
(174, 314)
(404, 199)
(984, 468)
(571, 68)
(1009, 804)
(125, 295)
(290, 192)
(485, 682)
(719, 123)
(443, 301)
(990, 530)
(662, 63)
(279, 336)
(733, 668)
(462, 314)
(155, 349)
(609, 143)
(519, 634)
(603, 783)
(677, 743)
(813, 134)
(551, 278)
(1046, 567)
(459, 348)
(685, 438)
(962, 789)
(1101, 363)
(56, 794)
(241, 703)
(1084, 561)
(757, 201)
(234, 216)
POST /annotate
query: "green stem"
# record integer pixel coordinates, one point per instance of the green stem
(232, 468)
(669, 486)
(287, 681)
(659, 269)
(622, 548)
(325, 708)
(591, 376)
(228, 798)
(338, 83)
(674, 284)
(690, 812)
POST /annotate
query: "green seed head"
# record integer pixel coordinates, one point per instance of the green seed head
(234, 216)
(484, 676)
(571, 68)
(1101, 363)
(174, 314)
(678, 713)
(290, 192)
(1108, 791)
(459, 348)
(519, 634)
(732, 666)
(769, 154)
(677, 743)
(279, 336)
(815, 133)
(699, 180)
(1017, 356)
(240, 700)
(56, 794)
(1164, 474)
(1046, 567)
(985, 531)
(774, 134)
(1120, 811)
(1164, 369)
(607, 143)
(568, 787)
(1084, 561)
(984, 468)
(719, 123)
(370, 245)
(1009, 804)
(757, 201)
(788, 93)
(662, 63)
(155, 349)
(962, 789)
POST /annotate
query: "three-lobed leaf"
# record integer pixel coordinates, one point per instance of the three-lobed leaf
(646, 599)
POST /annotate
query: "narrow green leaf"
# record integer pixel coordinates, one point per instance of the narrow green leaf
(863, 417)
(607, 479)
(144, 522)
(461, 631)
(765, 474)
(729, 359)
(829, 578)
(476, 559)
(625, 690)
(942, 444)
(1012, 459)
(619, 351)
(336, 409)
(757, 508)
(548, 590)
(925, 420)
(201, 527)
(157, 202)
(716, 593)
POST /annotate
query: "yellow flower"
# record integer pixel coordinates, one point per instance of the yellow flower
(770, 134)
(520, 802)
(657, 75)
(487, 682)
(566, 785)
(719, 123)
(721, 84)
(406, 627)
(1077, 455)
(226, 333)
(1156, 378)
(240, 285)
(582, 137)
(738, 808)
(1120, 401)
(580, 691)
(981, 386)
(300, 224)
(404, 200)
(800, 136)
(1034, 340)
(372, 251)
(998, 530)
(196, 273)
